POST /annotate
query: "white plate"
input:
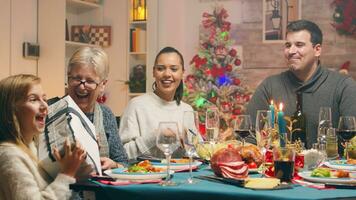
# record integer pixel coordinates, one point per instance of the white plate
(340, 164)
(177, 166)
(120, 173)
(307, 176)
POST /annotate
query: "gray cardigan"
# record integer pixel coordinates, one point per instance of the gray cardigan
(326, 88)
(116, 149)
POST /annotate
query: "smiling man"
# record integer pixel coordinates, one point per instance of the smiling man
(318, 86)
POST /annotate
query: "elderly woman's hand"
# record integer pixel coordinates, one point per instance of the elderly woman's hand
(107, 163)
(72, 159)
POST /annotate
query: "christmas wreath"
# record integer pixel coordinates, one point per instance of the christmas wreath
(344, 16)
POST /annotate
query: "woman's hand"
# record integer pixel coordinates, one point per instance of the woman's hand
(107, 163)
(72, 159)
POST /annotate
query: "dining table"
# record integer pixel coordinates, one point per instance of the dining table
(207, 190)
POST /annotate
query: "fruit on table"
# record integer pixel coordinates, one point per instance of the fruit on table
(252, 165)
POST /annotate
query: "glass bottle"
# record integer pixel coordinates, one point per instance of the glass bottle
(299, 121)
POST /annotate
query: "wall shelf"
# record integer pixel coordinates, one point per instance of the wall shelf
(78, 6)
(79, 44)
(137, 53)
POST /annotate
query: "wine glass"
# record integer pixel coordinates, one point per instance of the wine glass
(324, 123)
(167, 141)
(212, 124)
(242, 127)
(346, 130)
(190, 138)
(263, 134)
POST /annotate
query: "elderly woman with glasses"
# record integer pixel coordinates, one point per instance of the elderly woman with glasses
(141, 118)
(88, 71)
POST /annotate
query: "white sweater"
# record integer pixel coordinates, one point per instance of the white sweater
(140, 120)
(21, 178)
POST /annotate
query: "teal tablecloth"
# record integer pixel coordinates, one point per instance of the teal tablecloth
(207, 190)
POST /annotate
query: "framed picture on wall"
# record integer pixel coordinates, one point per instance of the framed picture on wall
(276, 16)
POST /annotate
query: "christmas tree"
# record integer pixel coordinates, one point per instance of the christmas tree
(215, 78)
(344, 16)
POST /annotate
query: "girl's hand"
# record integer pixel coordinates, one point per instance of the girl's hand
(72, 159)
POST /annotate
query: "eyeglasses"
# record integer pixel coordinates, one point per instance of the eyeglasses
(88, 84)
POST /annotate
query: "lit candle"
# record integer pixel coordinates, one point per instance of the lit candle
(271, 108)
(281, 125)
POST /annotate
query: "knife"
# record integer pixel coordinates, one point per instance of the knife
(241, 182)
(341, 186)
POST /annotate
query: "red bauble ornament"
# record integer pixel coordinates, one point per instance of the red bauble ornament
(239, 99)
(246, 98)
(190, 77)
(345, 24)
(232, 52)
(225, 107)
(204, 61)
(217, 71)
(237, 81)
(228, 68)
(225, 26)
(194, 59)
(236, 111)
(237, 62)
(198, 61)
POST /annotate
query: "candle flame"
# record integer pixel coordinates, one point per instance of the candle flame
(280, 106)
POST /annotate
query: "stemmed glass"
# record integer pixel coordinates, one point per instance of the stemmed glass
(167, 140)
(263, 134)
(347, 130)
(190, 138)
(243, 127)
(324, 123)
(212, 124)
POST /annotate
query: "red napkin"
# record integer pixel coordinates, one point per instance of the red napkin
(318, 186)
(194, 168)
